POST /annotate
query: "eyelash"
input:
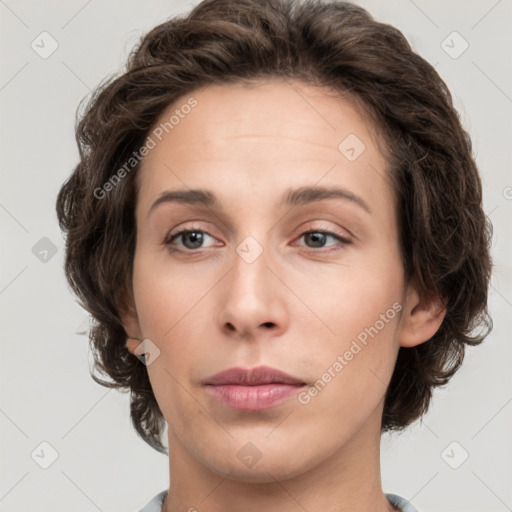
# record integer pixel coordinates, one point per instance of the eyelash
(169, 239)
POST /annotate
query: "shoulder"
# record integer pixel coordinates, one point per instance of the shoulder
(400, 502)
(155, 505)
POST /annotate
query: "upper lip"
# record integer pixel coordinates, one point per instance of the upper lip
(252, 377)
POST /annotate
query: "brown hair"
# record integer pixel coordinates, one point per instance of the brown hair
(445, 235)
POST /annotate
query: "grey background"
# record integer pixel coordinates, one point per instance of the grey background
(46, 391)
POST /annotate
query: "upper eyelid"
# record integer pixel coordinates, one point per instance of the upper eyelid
(180, 232)
(301, 232)
(234, 232)
(341, 238)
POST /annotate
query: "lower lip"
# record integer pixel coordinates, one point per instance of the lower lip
(252, 398)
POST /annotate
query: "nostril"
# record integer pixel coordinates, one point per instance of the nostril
(268, 324)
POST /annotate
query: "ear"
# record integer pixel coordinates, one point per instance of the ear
(423, 314)
(130, 321)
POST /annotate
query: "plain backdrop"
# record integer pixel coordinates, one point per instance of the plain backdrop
(459, 458)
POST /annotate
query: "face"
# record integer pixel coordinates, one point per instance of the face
(295, 265)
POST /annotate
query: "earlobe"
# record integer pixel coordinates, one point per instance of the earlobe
(422, 317)
(130, 321)
(132, 344)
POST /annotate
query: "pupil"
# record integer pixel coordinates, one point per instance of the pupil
(317, 237)
(196, 238)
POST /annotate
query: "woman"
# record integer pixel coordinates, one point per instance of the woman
(277, 226)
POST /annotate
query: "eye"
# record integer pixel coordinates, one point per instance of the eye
(191, 239)
(317, 238)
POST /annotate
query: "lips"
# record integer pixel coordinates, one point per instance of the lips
(252, 389)
(253, 377)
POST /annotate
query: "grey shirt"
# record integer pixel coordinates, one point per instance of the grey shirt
(155, 505)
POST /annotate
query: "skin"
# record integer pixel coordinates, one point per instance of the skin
(296, 307)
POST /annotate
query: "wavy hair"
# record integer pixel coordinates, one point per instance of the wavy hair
(444, 233)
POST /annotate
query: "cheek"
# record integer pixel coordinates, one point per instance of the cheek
(171, 310)
(354, 297)
(165, 302)
(165, 296)
(353, 371)
(362, 310)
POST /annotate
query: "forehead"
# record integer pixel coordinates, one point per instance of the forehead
(267, 135)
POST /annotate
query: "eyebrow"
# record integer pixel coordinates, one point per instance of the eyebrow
(292, 197)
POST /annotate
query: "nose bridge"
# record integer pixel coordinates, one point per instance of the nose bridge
(251, 299)
(249, 280)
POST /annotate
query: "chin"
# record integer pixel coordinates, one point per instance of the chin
(263, 473)
(267, 465)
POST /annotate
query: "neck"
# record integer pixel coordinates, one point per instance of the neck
(348, 480)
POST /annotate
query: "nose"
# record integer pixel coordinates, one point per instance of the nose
(253, 300)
